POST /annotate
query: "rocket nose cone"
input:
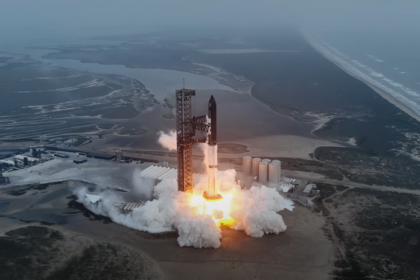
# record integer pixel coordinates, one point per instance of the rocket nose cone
(212, 100)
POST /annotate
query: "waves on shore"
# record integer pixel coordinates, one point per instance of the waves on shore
(407, 97)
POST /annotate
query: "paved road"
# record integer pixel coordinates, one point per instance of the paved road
(348, 183)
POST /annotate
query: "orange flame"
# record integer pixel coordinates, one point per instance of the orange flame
(219, 210)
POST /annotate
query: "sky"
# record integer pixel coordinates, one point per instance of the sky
(22, 20)
(106, 16)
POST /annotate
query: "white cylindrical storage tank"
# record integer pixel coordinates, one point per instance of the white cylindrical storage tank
(273, 173)
(247, 165)
(279, 168)
(263, 172)
(266, 160)
(255, 166)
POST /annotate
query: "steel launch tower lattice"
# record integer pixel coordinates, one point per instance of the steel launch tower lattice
(186, 126)
(184, 132)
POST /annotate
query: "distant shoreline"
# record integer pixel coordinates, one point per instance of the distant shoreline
(387, 96)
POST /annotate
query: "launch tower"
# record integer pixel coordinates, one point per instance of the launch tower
(186, 126)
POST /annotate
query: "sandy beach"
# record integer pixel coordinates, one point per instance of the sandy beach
(391, 99)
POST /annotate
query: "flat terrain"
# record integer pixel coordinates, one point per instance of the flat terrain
(94, 244)
(376, 233)
(40, 252)
(59, 106)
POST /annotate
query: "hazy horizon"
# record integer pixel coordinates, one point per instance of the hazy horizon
(376, 37)
(25, 21)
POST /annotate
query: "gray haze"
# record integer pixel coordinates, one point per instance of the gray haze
(32, 21)
(376, 39)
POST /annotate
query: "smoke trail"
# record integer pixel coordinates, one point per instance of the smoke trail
(167, 141)
(254, 211)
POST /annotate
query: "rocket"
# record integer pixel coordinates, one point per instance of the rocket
(211, 192)
(213, 121)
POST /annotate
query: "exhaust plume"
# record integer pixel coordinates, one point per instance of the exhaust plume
(253, 211)
(168, 141)
(142, 187)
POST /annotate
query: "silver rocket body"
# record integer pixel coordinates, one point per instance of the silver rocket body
(211, 192)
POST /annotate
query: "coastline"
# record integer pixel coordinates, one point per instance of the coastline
(390, 99)
(387, 96)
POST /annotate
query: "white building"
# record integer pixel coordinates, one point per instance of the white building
(30, 159)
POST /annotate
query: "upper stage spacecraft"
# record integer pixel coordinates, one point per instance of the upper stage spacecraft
(212, 114)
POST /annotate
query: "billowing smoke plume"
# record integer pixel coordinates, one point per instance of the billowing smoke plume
(142, 187)
(168, 141)
(204, 148)
(254, 211)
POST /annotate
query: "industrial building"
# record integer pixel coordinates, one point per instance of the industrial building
(36, 151)
(26, 160)
(247, 165)
(61, 155)
(310, 190)
(254, 168)
(258, 172)
(264, 171)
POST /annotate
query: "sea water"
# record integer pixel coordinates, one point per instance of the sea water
(386, 60)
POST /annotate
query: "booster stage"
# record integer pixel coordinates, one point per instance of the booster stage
(211, 193)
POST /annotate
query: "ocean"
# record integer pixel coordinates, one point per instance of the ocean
(387, 61)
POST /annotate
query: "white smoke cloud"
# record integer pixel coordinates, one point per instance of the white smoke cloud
(142, 187)
(168, 141)
(254, 211)
(204, 148)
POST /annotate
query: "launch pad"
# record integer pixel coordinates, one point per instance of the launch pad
(212, 198)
